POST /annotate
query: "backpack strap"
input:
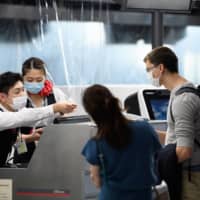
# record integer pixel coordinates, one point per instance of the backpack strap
(188, 90)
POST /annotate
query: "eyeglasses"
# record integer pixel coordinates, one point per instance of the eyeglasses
(151, 68)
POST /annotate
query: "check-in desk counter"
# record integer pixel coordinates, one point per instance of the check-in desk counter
(57, 170)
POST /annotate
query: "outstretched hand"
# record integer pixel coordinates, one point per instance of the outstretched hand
(64, 107)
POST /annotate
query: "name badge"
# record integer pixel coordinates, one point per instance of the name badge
(21, 146)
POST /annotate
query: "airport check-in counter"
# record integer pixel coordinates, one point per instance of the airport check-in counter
(57, 170)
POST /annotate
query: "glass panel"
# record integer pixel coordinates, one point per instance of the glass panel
(79, 46)
(181, 33)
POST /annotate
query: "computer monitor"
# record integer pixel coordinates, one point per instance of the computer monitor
(157, 103)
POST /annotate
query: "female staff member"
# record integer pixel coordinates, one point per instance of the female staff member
(122, 150)
(41, 92)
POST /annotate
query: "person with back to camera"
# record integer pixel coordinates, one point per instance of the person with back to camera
(183, 118)
(13, 98)
(41, 92)
(121, 155)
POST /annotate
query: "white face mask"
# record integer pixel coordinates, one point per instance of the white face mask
(19, 102)
(154, 81)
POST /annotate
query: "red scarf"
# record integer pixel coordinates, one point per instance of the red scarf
(47, 89)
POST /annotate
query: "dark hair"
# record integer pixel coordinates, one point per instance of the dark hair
(104, 108)
(8, 80)
(165, 56)
(33, 63)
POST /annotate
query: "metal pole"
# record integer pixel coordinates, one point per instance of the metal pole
(157, 29)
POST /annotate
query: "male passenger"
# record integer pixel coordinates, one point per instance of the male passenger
(183, 117)
(12, 98)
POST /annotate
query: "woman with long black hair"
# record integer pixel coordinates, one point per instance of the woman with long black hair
(121, 155)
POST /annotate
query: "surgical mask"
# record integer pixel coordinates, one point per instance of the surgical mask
(154, 81)
(33, 87)
(19, 102)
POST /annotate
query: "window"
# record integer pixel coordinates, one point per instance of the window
(76, 52)
(181, 33)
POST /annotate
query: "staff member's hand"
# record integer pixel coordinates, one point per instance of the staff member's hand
(37, 133)
(64, 107)
(33, 136)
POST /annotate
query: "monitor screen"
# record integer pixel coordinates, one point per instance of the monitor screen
(157, 103)
(159, 108)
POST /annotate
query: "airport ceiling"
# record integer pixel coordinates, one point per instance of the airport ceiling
(183, 5)
(28, 9)
(115, 4)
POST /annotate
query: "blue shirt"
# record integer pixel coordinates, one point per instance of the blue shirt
(130, 168)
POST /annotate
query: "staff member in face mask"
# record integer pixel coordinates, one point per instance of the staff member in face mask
(41, 92)
(12, 98)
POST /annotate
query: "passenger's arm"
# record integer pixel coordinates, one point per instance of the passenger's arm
(161, 135)
(184, 113)
(183, 153)
(95, 175)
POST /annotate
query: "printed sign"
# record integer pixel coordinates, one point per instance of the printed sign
(5, 189)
